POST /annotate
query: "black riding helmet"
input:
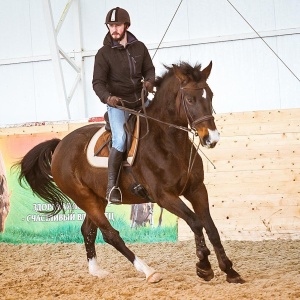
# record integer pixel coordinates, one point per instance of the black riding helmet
(118, 16)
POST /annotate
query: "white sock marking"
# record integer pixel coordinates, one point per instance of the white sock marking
(141, 266)
(95, 270)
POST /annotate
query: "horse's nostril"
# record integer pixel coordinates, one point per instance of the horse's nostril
(209, 142)
(213, 138)
(212, 145)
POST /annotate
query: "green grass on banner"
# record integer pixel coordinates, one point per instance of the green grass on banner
(70, 233)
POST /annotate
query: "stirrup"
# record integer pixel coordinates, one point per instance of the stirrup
(108, 196)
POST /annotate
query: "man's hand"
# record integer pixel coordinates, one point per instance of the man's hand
(149, 86)
(113, 101)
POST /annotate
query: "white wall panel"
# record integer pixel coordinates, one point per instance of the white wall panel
(163, 15)
(65, 37)
(260, 14)
(242, 75)
(39, 38)
(289, 50)
(17, 96)
(93, 27)
(287, 13)
(48, 106)
(213, 18)
(95, 107)
(15, 28)
(246, 75)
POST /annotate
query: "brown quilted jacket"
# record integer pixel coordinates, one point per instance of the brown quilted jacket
(118, 71)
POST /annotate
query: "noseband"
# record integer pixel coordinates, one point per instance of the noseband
(189, 117)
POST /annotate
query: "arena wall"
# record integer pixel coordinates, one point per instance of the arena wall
(254, 190)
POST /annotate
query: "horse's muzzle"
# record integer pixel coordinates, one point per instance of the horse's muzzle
(211, 139)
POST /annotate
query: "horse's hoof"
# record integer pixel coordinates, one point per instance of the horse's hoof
(207, 275)
(236, 279)
(154, 278)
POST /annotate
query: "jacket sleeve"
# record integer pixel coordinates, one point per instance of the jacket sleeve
(101, 70)
(148, 67)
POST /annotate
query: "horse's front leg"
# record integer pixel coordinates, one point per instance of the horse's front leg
(176, 206)
(203, 267)
(89, 233)
(199, 200)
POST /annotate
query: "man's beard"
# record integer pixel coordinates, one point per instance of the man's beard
(120, 38)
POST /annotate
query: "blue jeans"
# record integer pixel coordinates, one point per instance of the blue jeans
(117, 119)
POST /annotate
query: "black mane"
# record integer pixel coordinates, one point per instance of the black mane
(194, 73)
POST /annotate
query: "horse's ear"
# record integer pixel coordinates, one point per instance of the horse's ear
(207, 70)
(182, 77)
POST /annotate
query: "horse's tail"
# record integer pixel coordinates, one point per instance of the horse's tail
(35, 169)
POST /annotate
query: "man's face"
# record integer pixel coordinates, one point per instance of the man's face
(117, 31)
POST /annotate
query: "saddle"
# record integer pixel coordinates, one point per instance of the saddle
(100, 144)
(132, 128)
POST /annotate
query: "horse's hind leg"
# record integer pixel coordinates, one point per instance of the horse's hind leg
(95, 208)
(89, 233)
(112, 237)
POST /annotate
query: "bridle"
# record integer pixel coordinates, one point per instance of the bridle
(190, 129)
(192, 124)
(191, 121)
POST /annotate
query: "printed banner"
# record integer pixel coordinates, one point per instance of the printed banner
(23, 217)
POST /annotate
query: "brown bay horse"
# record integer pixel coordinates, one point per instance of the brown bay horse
(167, 164)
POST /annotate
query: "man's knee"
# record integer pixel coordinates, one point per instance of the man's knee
(118, 142)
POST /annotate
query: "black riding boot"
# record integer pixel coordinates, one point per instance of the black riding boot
(113, 193)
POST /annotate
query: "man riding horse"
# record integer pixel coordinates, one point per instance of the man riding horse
(120, 67)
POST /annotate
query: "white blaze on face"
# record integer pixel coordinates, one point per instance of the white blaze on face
(214, 137)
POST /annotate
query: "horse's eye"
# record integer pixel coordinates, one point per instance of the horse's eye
(189, 99)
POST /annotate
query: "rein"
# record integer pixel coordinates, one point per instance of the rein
(144, 115)
(183, 128)
(190, 120)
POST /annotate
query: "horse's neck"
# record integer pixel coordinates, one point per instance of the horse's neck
(163, 107)
(165, 123)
